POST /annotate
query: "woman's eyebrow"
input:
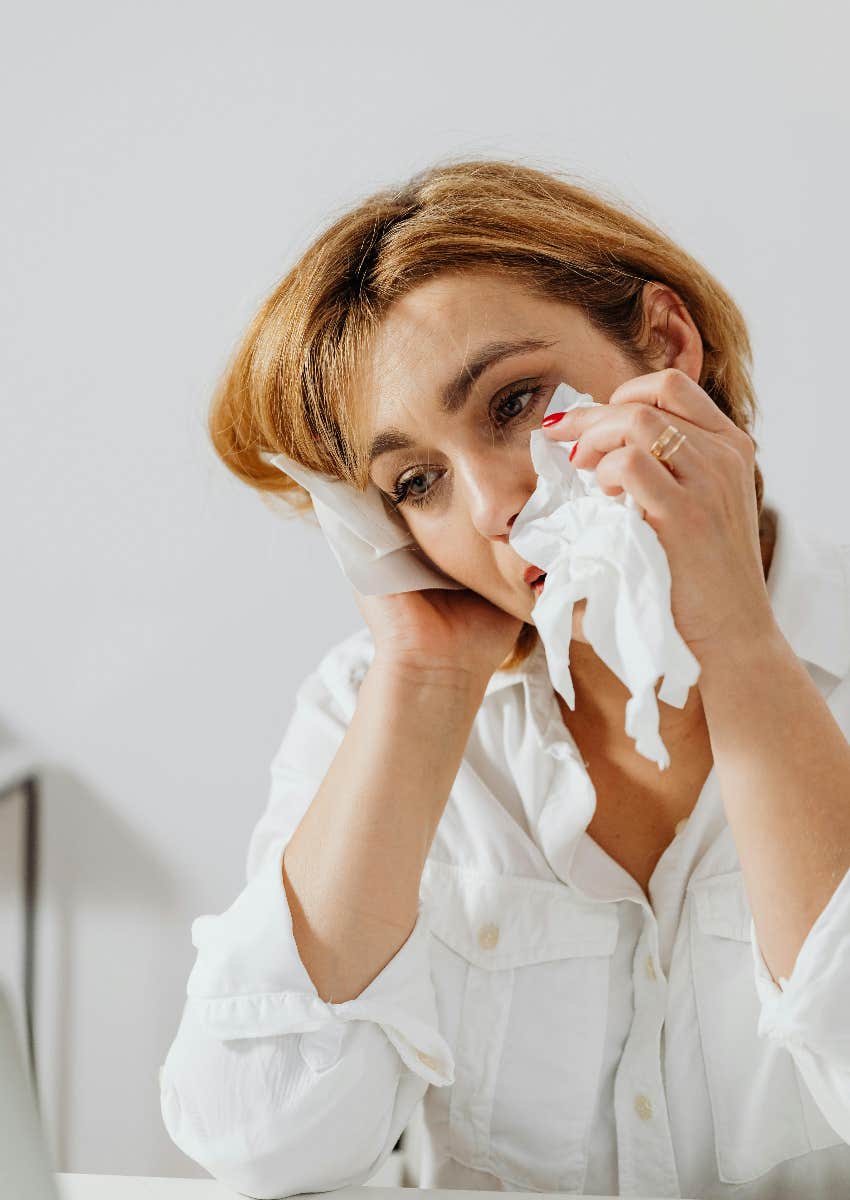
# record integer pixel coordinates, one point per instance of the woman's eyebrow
(456, 392)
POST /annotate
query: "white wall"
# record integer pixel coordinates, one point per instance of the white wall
(164, 164)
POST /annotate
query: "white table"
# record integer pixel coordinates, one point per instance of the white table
(144, 1187)
(135, 1187)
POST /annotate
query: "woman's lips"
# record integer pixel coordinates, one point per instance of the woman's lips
(531, 573)
(535, 577)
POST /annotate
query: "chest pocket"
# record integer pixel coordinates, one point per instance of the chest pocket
(532, 965)
(763, 1110)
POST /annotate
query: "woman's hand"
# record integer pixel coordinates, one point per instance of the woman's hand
(701, 503)
(457, 637)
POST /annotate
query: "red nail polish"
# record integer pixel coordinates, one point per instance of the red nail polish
(572, 452)
(552, 418)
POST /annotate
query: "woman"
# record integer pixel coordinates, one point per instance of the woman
(617, 980)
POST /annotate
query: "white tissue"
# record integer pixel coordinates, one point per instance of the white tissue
(599, 547)
(375, 549)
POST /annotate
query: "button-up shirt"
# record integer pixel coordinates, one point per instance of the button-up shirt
(563, 1029)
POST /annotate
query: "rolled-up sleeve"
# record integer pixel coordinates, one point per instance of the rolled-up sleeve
(809, 1013)
(270, 1088)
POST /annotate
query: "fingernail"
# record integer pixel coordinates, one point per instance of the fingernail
(552, 418)
(572, 452)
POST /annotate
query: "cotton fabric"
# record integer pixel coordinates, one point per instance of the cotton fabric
(563, 1031)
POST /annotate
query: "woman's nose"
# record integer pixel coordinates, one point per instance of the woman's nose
(496, 489)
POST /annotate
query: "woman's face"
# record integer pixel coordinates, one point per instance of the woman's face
(463, 369)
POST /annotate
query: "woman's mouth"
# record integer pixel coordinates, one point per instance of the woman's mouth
(537, 584)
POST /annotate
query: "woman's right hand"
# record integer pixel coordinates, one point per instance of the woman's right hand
(440, 633)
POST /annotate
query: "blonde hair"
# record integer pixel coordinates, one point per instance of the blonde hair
(290, 384)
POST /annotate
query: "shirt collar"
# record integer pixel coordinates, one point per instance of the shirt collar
(809, 588)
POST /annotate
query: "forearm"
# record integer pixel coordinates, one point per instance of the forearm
(353, 865)
(783, 765)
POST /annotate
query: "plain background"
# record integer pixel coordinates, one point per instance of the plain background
(164, 166)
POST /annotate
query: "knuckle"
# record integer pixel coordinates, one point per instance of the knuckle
(643, 421)
(671, 377)
(746, 443)
(739, 445)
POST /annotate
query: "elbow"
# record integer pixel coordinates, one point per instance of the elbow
(276, 1128)
(272, 1161)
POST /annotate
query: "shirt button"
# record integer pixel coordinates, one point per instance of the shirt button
(488, 936)
(650, 967)
(428, 1060)
(643, 1106)
(680, 825)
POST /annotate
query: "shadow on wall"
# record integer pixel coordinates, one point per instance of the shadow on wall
(103, 903)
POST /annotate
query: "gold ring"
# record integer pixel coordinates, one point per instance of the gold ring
(666, 444)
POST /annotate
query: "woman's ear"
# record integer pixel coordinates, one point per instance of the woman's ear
(672, 336)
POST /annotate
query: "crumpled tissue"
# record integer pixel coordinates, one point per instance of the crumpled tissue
(598, 547)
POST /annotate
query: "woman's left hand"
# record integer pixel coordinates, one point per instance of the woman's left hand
(702, 506)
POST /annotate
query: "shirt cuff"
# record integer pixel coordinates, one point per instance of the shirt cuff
(248, 981)
(810, 1007)
(807, 1013)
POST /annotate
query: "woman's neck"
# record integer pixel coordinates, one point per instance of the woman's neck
(600, 709)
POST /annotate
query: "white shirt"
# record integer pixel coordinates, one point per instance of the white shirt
(566, 1034)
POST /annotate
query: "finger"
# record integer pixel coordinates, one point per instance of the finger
(639, 425)
(647, 480)
(675, 393)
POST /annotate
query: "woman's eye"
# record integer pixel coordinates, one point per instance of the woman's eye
(402, 493)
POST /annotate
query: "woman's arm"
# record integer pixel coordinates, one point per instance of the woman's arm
(783, 764)
(272, 1051)
(353, 866)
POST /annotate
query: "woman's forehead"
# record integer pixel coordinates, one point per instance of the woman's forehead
(429, 338)
(455, 307)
